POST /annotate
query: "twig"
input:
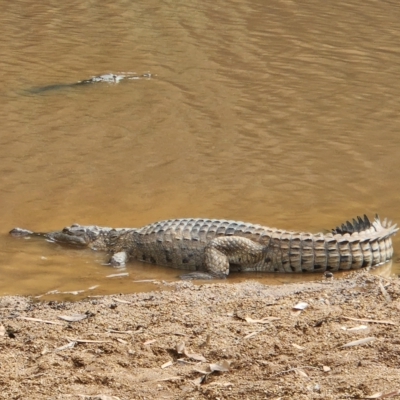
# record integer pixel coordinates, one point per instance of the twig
(294, 369)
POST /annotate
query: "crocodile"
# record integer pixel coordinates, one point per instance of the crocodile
(212, 248)
(105, 78)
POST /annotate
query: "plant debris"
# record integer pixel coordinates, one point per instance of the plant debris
(359, 342)
(73, 318)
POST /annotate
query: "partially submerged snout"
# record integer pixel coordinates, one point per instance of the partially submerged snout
(76, 235)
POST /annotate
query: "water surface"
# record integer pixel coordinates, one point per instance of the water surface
(279, 113)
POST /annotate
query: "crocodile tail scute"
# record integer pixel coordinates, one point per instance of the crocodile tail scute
(358, 225)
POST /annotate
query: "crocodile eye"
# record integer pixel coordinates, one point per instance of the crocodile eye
(91, 235)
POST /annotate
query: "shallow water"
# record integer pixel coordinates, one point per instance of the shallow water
(283, 114)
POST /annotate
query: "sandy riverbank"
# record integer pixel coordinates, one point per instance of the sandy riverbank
(240, 341)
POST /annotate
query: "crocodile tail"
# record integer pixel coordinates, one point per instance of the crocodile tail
(360, 243)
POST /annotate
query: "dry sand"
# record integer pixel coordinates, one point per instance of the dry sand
(211, 341)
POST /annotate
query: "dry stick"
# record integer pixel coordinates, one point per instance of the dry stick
(294, 369)
(42, 320)
(385, 294)
(374, 321)
(88, 341)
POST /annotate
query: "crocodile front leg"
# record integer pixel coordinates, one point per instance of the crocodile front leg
(225, 250)
(118, 260)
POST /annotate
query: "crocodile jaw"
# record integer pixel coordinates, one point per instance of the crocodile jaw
(74, 235)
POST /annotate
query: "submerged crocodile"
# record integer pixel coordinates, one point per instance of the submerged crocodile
(220, 246)
(106, 78)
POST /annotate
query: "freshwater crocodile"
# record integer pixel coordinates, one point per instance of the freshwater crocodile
(220, 246)
(106, 78)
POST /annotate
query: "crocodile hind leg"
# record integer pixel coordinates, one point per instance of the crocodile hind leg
(225, 250)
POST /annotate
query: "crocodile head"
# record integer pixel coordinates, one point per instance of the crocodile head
(78, 235)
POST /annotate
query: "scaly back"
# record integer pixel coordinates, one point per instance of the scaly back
(354, 245)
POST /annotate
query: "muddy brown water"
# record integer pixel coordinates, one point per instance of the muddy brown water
(282, 113)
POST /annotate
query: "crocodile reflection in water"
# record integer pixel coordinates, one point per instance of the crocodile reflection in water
(106, 78)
